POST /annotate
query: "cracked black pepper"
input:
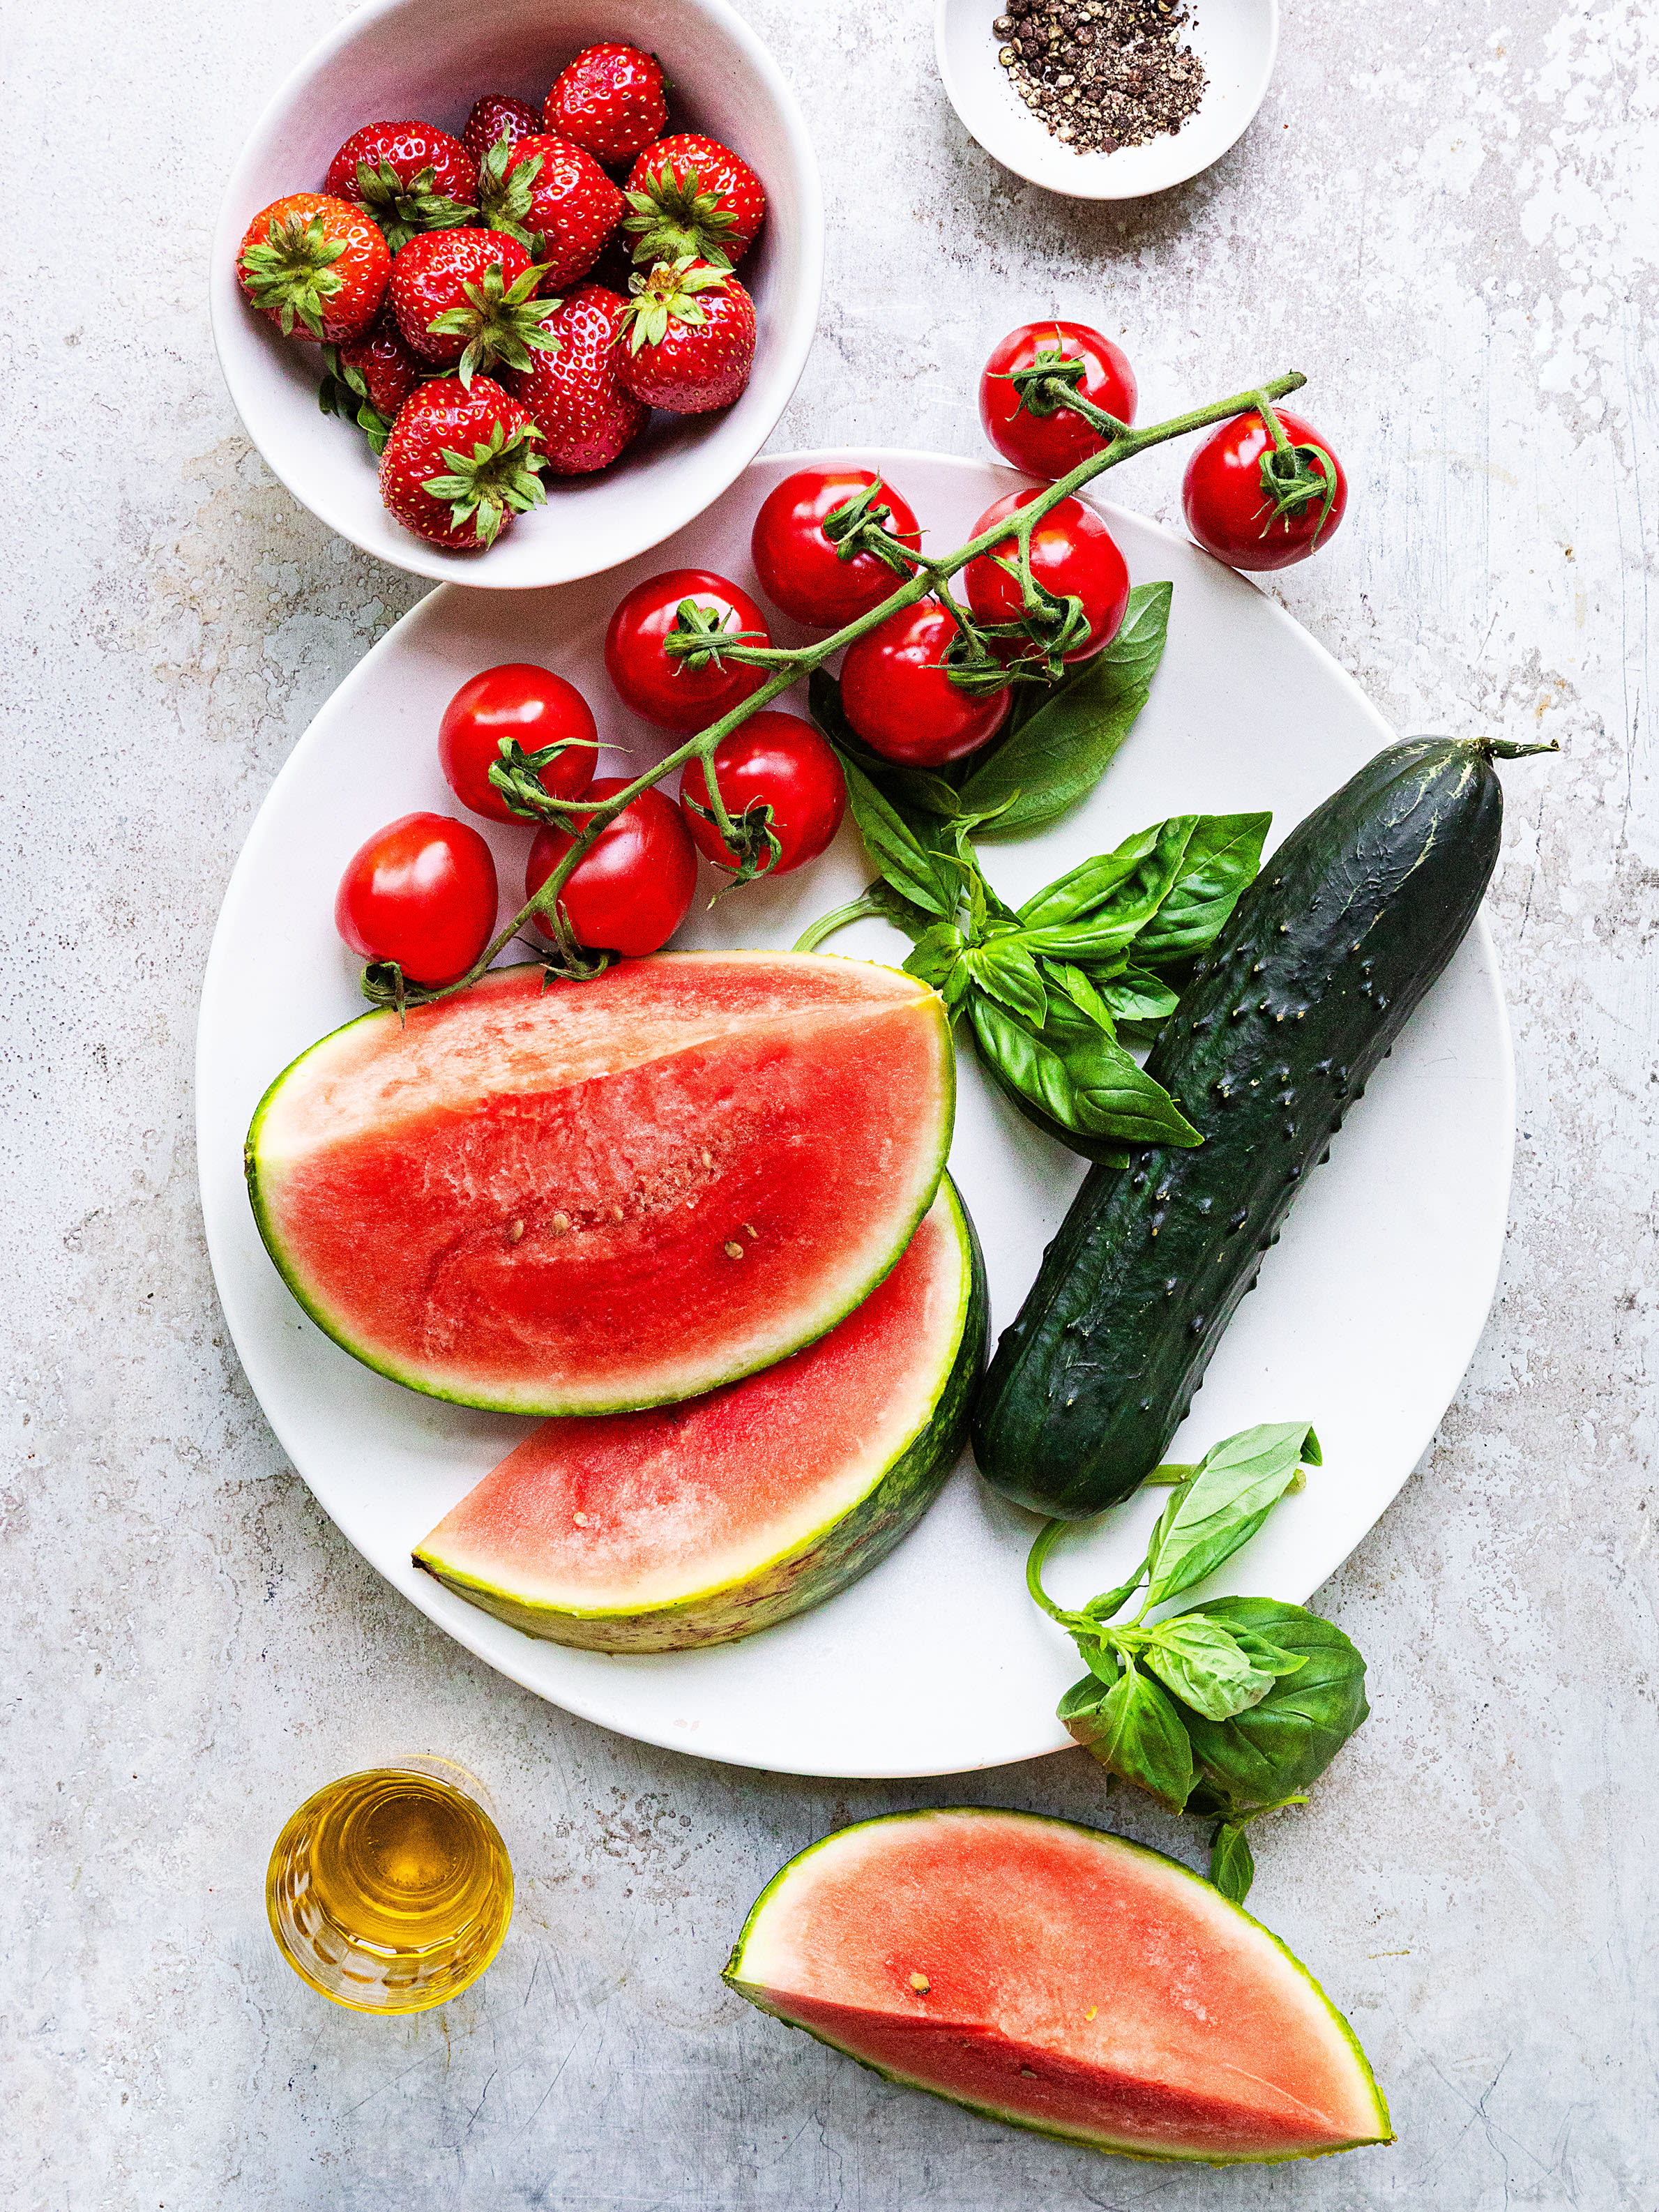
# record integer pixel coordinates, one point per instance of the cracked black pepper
(1102, 73)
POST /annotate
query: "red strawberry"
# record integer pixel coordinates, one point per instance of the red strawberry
(461, 463)
(584, 413)
(410, 176)
(690, 337)
(370, 377)
(611, 99)
(316, 265)
(466, 298)
(689, 194)
(497, 116)
(553, 199)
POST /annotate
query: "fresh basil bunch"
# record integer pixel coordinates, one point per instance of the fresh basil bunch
(1229, 1709)
(1047, 988)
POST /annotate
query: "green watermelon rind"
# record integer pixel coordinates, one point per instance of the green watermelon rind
(755, 1995)
(426, 1388)
(832, 1557)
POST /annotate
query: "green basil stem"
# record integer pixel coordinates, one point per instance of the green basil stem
(788, 667)
(1034, 1564)
(861, 910)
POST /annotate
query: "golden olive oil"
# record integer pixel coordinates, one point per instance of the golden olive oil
(390, 1890)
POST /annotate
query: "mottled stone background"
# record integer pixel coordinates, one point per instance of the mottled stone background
(1445, 215)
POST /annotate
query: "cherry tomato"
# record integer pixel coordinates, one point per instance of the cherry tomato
(1229, 510)
(777, 761)
(1049, 445)
(517, 700)
(1072, 554)
(632, 890)
(659, 684)
(900, 700)
(800, 569)
(422, 892)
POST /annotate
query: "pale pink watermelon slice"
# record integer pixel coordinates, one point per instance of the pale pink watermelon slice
(611, 1193)
(1062, 1979)
(699, 1522)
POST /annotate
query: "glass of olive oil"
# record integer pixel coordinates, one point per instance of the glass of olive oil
(391, 1891)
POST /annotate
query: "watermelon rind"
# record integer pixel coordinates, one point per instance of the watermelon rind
(756, 1994)
(482, 1399)
(832, 1556)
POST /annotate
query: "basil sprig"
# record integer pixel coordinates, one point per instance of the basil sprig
(1047, 988)
(1229, 1709)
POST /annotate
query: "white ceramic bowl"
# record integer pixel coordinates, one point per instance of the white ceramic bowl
(432, 58)
(1237, 40)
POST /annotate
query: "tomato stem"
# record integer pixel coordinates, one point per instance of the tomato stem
(789, 664)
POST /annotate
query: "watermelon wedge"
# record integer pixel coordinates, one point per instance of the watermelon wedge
(614, 1193)
(701, 1523)
(1061, 1980)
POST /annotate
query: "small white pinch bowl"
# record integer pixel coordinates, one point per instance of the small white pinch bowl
(432, 58)
(1237, 40)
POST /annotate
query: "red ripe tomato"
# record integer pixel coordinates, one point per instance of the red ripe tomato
(663, 688)
(422, 892)
(517, 700)
(1049, 445)
(899, 698)
(1230, 509)
(771, 760)
(800, 569)
(1072, 554)
(633, 889)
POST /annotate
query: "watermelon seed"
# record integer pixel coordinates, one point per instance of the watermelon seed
(515, 1232)
(734, 1251)
(1029, 2073)
(561, 1222)
(753, 1231)
(707, 1157)
(615, 1213)
(920, 1983)
(580, 1520)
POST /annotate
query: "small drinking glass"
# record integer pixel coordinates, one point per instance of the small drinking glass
(391, 1891)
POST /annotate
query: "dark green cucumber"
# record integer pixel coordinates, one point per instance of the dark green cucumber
(1307, 987)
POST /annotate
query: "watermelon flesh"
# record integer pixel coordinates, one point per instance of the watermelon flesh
(1062, 1979)
(696, 1523)
(587, 1196)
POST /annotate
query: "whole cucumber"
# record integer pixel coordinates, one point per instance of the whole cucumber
(1314, 977)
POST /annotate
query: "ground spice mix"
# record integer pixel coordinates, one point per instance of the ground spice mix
(1102, 73)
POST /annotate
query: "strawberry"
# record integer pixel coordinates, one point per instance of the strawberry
(690, 336)
(552, 197)
(316, 265)
(465, 299)
(410, 176)
(585, 415)
(370, 377)
(612, 101)
(497, 115)
(689, 194)
(461, 463)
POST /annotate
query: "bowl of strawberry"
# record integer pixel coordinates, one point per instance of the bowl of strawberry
(508, 293)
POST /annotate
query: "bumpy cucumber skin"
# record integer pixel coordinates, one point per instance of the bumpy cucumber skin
(1322, 962)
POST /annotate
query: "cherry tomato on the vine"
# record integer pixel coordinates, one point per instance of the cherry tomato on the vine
(674, 692)
(422, 892)
(632, 890)
(777, 761)
(516, 700)
(898, 696)
(1049, 445)
(1073, 555)
(1229, 508)
(800, 569)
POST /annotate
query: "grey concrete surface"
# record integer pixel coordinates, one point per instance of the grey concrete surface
(1445, 215)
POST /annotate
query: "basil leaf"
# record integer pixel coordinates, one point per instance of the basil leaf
(1081, 991)
(1232, 1863)
(1100, 1659)
(1197, 1659)
(1136, 998)
(1272, 1658)
(1057, 754)
(904, 859)
(1286, 1741)
(1222, 858)
(1078, 1079)
(907, 786)
(1124, 886)
(1238, 1483)
(1007, 971)
(1136, 1733)
(1110, 1601)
